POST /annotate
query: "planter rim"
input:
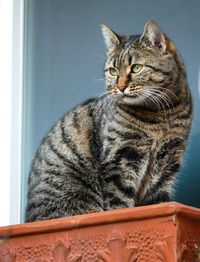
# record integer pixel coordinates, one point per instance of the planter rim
(100, 218)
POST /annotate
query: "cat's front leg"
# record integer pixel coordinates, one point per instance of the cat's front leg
(162, 174)
(122, 176)
(153, 198)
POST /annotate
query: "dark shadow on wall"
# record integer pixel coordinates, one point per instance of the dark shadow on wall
(188, 184)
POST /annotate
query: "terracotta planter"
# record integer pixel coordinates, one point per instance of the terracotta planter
(165, 232)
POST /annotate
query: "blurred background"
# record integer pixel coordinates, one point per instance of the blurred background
(64, 55)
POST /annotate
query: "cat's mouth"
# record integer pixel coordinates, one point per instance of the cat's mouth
(127, 92)
(131, 98)
(131, 95)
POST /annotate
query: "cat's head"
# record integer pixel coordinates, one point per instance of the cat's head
(142, 69)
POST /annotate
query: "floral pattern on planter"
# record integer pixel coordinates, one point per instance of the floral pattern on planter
(61, 253)
(144, 244)
(6, 255)
(190, 247)
(117, 250)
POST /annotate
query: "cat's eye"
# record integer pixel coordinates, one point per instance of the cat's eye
(113, 71)
(136, 68)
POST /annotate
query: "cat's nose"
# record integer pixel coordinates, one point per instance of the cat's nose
(122, 84)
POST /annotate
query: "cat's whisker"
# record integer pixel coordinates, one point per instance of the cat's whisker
(114, 102)
(166, 97)
(150, 96)
(106, 104)
(169, 99)
(98, 100)
(143, 98)
(100, 96)
(162, 98)
(166, 100)
(152, 100)
(101, 102)
(113, 105)
(101, 56)
(159, 95)
(109, 102)
(109, 105)
(97, 107)
(99, 80)
(172, 93)
(96, 81)
(156, 102)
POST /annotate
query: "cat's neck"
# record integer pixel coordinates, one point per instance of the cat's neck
(140, 111)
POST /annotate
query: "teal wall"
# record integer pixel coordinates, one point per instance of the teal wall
(64, 55)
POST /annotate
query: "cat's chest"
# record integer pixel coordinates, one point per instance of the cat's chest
(115, 135)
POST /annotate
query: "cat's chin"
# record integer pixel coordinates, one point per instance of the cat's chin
(131, 100)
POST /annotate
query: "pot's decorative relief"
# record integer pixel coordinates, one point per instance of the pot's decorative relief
(118, 250)
(161, 233)
(6, 255)
(143, 244)
(61, 253)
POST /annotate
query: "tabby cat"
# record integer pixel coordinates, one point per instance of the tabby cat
(124, 148)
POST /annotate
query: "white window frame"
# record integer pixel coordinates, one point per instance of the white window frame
(11, 86)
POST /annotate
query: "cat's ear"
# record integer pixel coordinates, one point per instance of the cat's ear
(155, 35)
(111, 38)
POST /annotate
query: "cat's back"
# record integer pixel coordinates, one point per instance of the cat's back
(67, 142)
(61, 170)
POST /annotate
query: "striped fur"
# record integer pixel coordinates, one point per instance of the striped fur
(124, 148)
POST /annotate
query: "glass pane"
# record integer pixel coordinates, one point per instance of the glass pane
(64, 56)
